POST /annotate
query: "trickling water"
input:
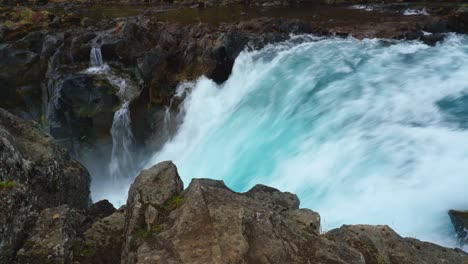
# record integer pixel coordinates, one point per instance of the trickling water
(363, 131)
(95, 57)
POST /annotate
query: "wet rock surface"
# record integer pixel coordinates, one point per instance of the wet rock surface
(460, 223)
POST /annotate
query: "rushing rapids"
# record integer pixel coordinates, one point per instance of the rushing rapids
(363, 131)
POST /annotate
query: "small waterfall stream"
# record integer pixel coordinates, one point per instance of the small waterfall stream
(122, 164)
(95, 57)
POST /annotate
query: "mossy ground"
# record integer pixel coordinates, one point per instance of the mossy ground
(7, 185)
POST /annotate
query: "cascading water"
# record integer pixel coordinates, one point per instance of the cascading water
(122, 167)
(95, 57)
(363, 131)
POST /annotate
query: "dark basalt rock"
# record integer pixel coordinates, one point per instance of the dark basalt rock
(51, 239)
(460, 223)
(41, 175)
(101, 243)
(100, 210)
(80, 106)
(458, 21)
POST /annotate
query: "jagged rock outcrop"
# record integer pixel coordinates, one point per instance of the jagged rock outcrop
(146, 205)
(51, 239)
(209, 223)
(80, 108)
(102, 242)
(30, 157)
(380, 244)
(460, 223)
(35, 174)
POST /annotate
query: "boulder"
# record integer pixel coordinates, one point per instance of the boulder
(102, 242)
(458, 21)
(30, 157)
(80, 107)
(147, 199)
(51, 239)
(18, 68)
(209, 223)
(34, 174)
(15, 215)
(380, 244)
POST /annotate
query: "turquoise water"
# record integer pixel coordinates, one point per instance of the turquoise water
(366, 131)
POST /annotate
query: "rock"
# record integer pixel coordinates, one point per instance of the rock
(458, 21)
(432, 39)
(41, 175)
(380, 244)
(147, 198)
(30, 157)
(15, 216)
(51, 239)
(460, 223)
(209, 223)
(102, 242)
(100, 210)
(18, 67)
(80, 107)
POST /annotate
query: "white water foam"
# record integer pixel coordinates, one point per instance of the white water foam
(363, 131)
(415, 12)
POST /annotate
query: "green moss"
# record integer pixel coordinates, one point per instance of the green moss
(175, 202)
(8, 24)
(87, 251)
(158, 229)
(463, 8)
(43, 120)
(8, 184)
(137, 74)
(86, 111)
(143, 233)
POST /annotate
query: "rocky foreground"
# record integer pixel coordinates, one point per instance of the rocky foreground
(44, 218)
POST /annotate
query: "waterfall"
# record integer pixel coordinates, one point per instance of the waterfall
(368, 132)
(95, 57)
(122, 164)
